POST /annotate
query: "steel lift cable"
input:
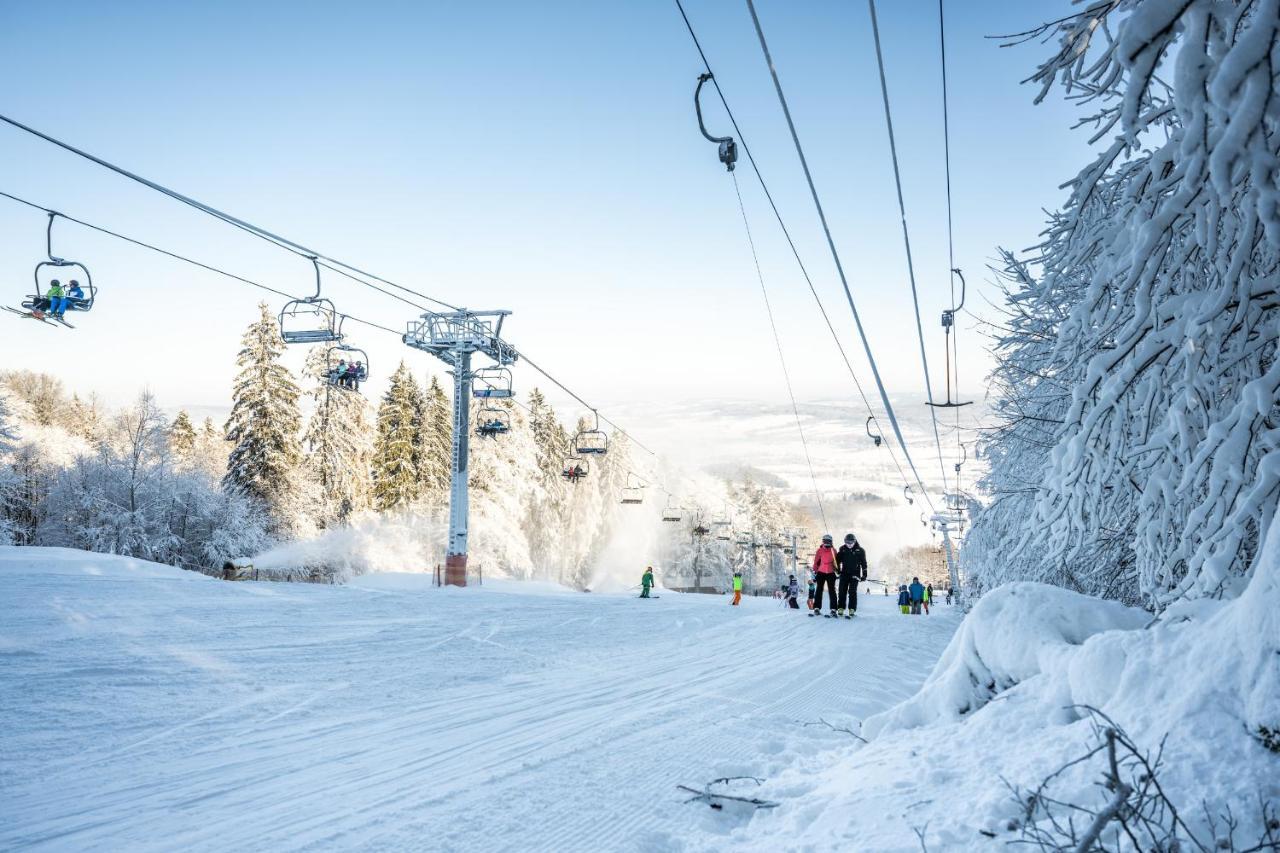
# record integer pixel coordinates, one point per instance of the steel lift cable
(906, 239)
(790, 242)
(835, 254)
(248, 227)
(777, 340)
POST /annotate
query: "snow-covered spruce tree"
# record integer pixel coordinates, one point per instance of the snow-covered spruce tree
(395, 475)
(1148, 330)
(503, 481)
(182, 437)
(435, 445)
(338, 442)
(547, 509)
(264, 425)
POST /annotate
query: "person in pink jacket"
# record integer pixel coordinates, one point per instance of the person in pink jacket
(824, 572)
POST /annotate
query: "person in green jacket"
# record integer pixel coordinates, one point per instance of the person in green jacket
(57, 302)
(647, 582)
(737, 587)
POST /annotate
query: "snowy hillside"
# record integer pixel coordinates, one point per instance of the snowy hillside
(150, 708)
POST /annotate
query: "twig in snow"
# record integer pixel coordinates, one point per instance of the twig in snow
(822, 722)
(711, 798)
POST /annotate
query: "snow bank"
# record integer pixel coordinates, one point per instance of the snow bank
(389, 542)
(1014, 632)
(1006, 706)
(72, 561)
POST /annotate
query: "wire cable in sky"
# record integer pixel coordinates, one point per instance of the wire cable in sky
(835, 254)
(906, 239)
(782, 359)
(746, 149)
(248, 227)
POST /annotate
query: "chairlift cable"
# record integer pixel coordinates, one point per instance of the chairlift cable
(954, 336)
(777, 340)
(269, 289)
(786, 232)
(835, 254)
(906, 240)
(248, 227)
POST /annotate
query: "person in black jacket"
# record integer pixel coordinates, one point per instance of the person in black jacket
(852, 561)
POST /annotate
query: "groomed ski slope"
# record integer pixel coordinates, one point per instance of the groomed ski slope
(147, 708)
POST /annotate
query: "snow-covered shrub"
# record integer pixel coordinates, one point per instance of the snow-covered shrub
(1138, 373)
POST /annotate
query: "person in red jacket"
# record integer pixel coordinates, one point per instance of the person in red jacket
(824, 571)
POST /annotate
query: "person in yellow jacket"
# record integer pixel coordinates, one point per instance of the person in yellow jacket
(737, 588)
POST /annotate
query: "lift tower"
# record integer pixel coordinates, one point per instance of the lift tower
(452, 337)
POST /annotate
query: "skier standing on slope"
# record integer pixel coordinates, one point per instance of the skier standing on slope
(928, 598)
(917, 596)
(852, 560)
(646, 581)
(824, 571)
(737, 588)
(793, 592)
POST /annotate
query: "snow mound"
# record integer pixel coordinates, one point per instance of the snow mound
(72, 561)
(1015, 632)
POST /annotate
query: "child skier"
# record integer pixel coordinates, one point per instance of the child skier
(793, 592)
(904, 598)
(813, 590)
(646, 581)
(928, 597)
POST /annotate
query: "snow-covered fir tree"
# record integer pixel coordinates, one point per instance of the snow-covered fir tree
(264, 425)
(338, 442)
(396, 483)
(548, 504)
(435, 445)
(182, 437)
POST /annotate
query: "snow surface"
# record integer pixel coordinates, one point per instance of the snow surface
(153, 709)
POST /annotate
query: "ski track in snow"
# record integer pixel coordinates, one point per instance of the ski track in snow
(169, 711)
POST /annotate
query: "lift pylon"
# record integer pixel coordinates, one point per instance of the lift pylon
(453, 337)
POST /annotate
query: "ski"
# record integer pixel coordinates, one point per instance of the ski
(28, 314)
(62, 321)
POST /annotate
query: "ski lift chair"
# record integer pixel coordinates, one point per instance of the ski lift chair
(57, 265)
(671, 513)
(310, 320)
(492, 383)
(633, 495)
(591, 441)
(357, 356)
(575, 469)
(492, 422)
(701, 529)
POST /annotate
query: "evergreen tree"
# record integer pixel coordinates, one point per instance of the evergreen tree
(182, 436)
(264, 425)
(395, 475)
(437, 444)
(338, 442)
(548, 505)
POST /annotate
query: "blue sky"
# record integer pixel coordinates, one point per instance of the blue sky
(541, 157)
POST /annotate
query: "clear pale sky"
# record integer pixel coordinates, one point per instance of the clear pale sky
(541, 157)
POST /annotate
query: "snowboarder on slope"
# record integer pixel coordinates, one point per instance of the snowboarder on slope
(824, 571)
(852, 561)
(917, 596)
(646, 581)
(737, 588)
